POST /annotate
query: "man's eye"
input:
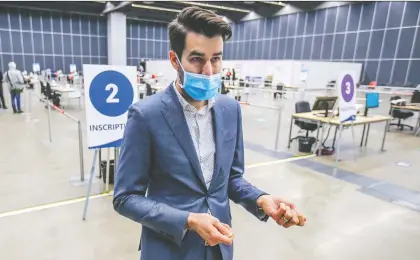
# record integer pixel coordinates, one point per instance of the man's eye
(215, 59)
(196, 59)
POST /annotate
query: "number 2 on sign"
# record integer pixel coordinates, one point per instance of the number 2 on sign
(111, 98)
(348, 88)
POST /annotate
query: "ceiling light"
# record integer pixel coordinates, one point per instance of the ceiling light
(274, 3)
(155, 8)
(99, 1)
(148, 2)
(214, 6)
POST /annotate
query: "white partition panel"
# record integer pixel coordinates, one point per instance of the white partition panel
(285, 71)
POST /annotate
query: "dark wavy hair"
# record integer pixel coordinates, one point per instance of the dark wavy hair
(198, 20)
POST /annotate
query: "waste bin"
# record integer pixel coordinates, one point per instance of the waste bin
(305, 144)
(111, 171)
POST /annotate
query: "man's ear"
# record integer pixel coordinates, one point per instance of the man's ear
(173, 59)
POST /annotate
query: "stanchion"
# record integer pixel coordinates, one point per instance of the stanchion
(78, 180)
(278, 120)
(92, 172)
(82, 166)
(278, 131)
(108, 154)
(49, 121)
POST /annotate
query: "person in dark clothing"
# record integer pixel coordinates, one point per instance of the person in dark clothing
(224, 89)
(2, 102)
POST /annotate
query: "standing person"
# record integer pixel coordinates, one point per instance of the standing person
(2, 102)
(182, 154)
(16, 84)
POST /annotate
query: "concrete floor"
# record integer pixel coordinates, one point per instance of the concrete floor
(369, 210)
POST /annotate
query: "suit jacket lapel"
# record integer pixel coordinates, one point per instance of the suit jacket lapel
(175, 118)
(219, 132)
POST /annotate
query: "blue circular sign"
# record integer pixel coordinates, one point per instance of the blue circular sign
(347, 88)
(111, 93)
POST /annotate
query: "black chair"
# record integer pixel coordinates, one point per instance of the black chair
(51, 95)
(279, 87)
(149, 90)
(308, 126)
(224, 90)
(400, 114)
(43, 88)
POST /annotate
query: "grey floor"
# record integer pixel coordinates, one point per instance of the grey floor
(369, 210)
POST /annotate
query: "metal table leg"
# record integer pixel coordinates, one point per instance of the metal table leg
(418, 125)
(290, 131)
(319, 141)
(367, 135)
(363, 135)
(385, 130)
(337, 155)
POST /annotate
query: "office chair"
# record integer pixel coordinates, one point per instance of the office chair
(280, 88)
(400, 114)
(51, 95)
(149, 90)
(302, 107)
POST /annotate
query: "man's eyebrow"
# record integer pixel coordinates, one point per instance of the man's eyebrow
(218, 53)
(196, 53)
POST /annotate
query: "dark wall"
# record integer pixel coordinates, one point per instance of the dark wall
(146, 40)
(54, 40)
(381, 35)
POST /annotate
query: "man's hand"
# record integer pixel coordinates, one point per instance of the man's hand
(281, 211)
(210, 229)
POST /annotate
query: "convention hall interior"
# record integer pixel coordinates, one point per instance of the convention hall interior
(357, 182)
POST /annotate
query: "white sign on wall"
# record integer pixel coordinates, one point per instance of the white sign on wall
(346, 88)
(73, 68)
(36, 67)
(109, 92)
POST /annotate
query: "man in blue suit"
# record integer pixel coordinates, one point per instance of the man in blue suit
(182, 155)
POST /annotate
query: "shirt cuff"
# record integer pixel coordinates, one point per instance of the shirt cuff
(261, 214)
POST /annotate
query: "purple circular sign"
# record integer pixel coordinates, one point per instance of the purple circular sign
(347, 88)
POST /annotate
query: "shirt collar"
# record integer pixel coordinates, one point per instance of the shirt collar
(188, 107)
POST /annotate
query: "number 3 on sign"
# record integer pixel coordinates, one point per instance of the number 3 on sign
(111, 98)
(348, 88)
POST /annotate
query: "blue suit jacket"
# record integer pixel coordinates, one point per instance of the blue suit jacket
(159, 180)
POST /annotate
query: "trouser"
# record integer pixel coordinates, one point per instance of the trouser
(16, 100)
(213, 253)
(2, 103)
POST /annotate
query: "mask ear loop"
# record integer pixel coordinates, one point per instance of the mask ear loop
(182, 68)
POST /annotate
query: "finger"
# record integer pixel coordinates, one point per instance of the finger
(279, 212)
(293, 221)
(288, 203)
(302, 220)
(217, 237)
(287, 216)
(224, 229)
(230, 229)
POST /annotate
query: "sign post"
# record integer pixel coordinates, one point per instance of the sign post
(109, 92)
(347, 106)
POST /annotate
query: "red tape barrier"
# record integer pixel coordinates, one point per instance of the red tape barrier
(57, 108)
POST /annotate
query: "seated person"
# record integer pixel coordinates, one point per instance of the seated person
(224, 89)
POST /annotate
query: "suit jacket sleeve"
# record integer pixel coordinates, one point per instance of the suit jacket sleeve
(132, 179)
(240, 190)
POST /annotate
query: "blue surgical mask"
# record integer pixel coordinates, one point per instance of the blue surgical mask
(200, 87)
